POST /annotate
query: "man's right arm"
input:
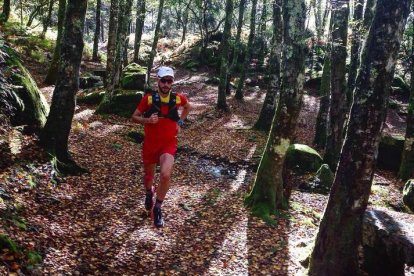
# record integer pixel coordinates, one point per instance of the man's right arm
(138, 118)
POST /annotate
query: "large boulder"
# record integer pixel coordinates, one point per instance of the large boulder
(29, 105)
(400, 87)
(123, 103)
(133, 77)
(408, 194)
(302, 158)
(325, 176)
(86, 82)
(390, 151)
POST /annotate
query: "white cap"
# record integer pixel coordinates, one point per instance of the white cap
(165, 71)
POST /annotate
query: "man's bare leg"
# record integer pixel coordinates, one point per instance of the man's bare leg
(149, 171)
(166, 166)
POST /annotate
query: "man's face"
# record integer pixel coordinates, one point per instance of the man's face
(164, 84)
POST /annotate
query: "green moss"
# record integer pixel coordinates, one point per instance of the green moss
(33, 258)
(123, 104)
(94, 97)
(7, 243)
(302, 158)
(35, 106)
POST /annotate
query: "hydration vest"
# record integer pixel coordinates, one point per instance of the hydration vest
(156, 107)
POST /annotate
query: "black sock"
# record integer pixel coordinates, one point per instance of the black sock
(158, 203)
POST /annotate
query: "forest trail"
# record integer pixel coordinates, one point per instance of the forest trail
(96, 224)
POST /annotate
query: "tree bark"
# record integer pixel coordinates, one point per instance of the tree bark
(356, 44)
(155, 41)
(55, 134)
(267, 193)
(368, 14)
(111, 47)
(139, 27)
(247, 56)
(6, 11)
(95, 56)
(406, 170)
(269, 105)
(46, 21)
(221, 99)
(54, 64)
(336, 246)
(262, 38)
(337, 105)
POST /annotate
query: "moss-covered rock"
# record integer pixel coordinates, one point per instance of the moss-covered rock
(325, 176)
(123, 103)
(302, 158)
(390, 151)
(133, 77)
(400, 86)
(408, 194)
(86, 82)
(31, 107)
(91, 97)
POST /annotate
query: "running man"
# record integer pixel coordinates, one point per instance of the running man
(158, 112)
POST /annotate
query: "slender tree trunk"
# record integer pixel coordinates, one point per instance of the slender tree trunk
(155, 41)
(139, 27)
(46, 21)
(33, 15)
(111, 48)
(54, 64)
(237, 44)
(185, 21)
(406, 170)
(6, 11)
(56, 131)
(102, 31)
(322, 118)
(368, 14)
(267, 193)
(246, 62)
(125, 14)
(221, 99)
(338, 108)
(356, 44)
(95, 56)
(262, 38)
(269, 105)
(336, 246)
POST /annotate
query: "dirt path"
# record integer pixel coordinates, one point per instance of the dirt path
(95, 224)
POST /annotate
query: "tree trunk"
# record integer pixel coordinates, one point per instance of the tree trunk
(269, 105)
(262, 38)
(368, 14)
(247, 56)
(356, 44)
(322, 119)
(55, 134)
(111, 47)
(54, 64)
(155, 41)
(95, 56)
(336, 246)
(124, 16)
(102, 31)
(33, 14)
(6, 11)
(267, 193)
(406, 170)
(46, 21)
(237, 46)
(139, 27)
(338, 108)
(221, 99)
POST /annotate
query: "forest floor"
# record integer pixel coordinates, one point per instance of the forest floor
(95, 224)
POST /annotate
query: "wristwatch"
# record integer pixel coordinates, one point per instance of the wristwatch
(180, 122)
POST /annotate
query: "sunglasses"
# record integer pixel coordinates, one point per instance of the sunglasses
(169, 81)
